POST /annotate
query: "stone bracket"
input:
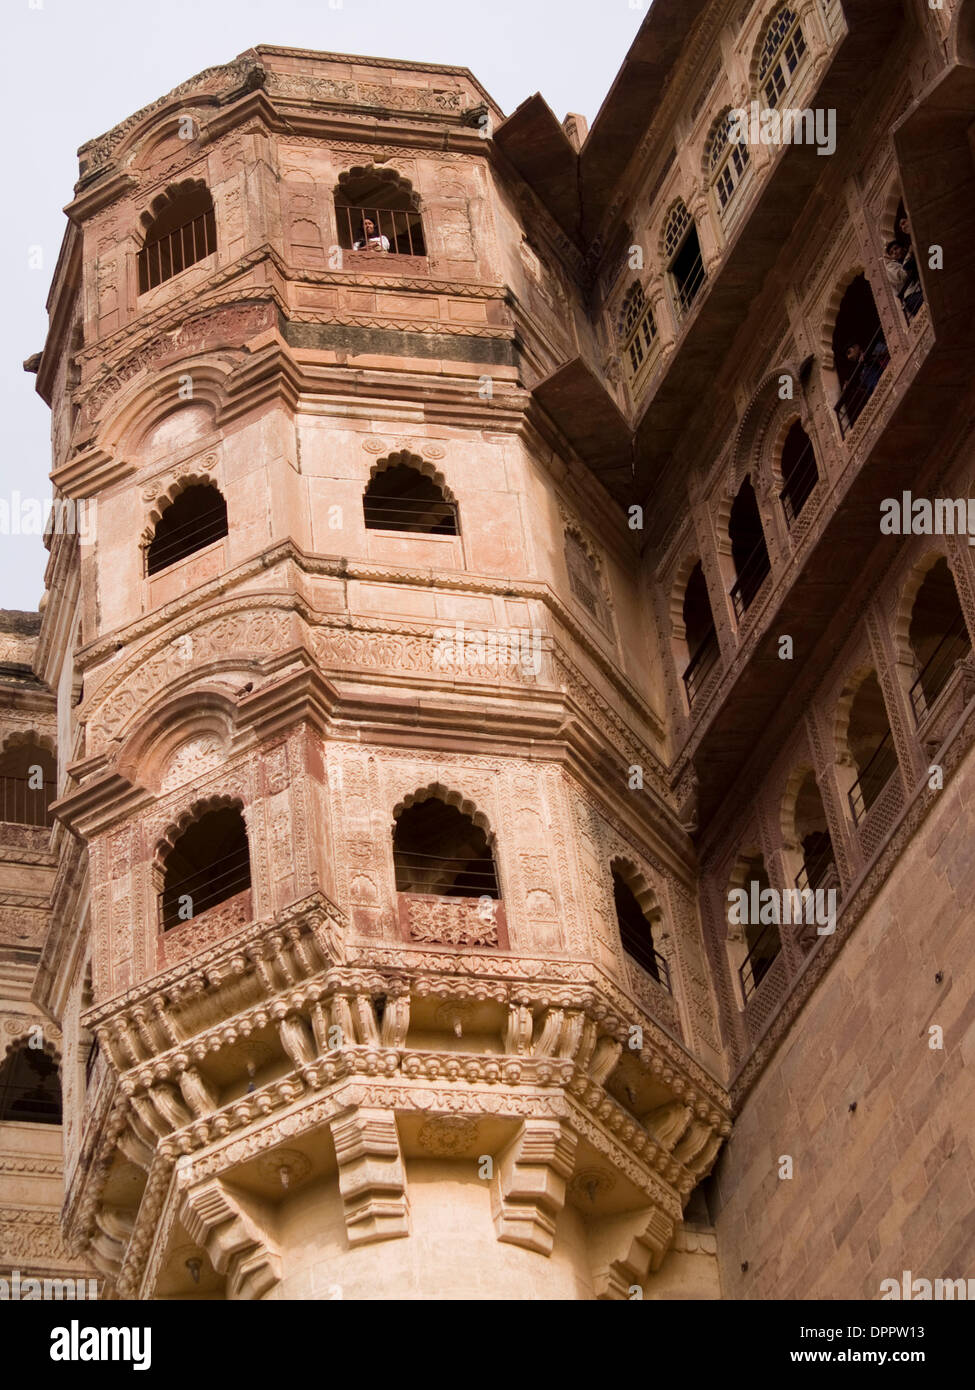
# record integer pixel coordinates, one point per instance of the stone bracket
(372, 1176)
(529, 1188)
(229, 1228)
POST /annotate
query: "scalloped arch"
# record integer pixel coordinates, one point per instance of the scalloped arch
(831, 313)
(906, 599)
(411, 460)
(195, 812)
(172, 193)
(382, 172)
(636, 881)
(756, 58)
(438, 791)
(844, 705)
(166, 499)
(22, 1041)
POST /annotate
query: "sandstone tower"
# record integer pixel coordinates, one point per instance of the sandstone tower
(444, 487)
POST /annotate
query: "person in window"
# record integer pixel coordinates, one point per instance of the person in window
(901, 268)
(369, 238)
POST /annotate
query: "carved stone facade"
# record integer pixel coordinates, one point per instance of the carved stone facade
(344, 1049)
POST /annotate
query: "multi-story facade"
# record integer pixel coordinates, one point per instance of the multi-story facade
(481, 580)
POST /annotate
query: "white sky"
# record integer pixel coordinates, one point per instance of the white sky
(78, 67)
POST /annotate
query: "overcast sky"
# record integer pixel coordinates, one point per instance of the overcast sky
(78, 67)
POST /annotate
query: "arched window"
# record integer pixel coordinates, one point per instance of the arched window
(400, 497)
(636, 329)
(900, 263)
(799, 472)
(639, 930)
(859, 351)
(438, 850)
(585, 579)
(377, 210)
(28, 782)
(762, 942)
(30, 1092)
(207, 864)
(813, 838)
(699, 633)
(181, 229)
(727, 160)
(938, 636)
(683, 253)
(194, 520)
(871, 746)
(783, 49)
(748, 549)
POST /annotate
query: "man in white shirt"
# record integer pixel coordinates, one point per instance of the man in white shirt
(369, 239)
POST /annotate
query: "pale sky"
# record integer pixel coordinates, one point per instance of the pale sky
(75, 68)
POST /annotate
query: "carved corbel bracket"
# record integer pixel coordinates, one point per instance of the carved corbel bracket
(234, 1236)
(626, 1248)
(372, 1176)
(529, 1188)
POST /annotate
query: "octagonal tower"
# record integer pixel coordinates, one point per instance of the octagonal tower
(372, 913)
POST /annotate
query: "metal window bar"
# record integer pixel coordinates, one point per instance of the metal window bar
(648, 958)
(759, 960)
(816, 871)
(879, 769)
(750, 579)
(798, 490)
(912, 295)
(936, 672)
(22, 804)
(183, 541)
(160, 260)
(206, 887)
(402, 227)
(410, 514)
(409, 863)
(863, 382)
(701, 665)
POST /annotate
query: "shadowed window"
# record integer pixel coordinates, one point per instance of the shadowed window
(938, 636)
(196, 519)
(377, 210)
(799, 472)
(748, 548)
(637, 931)
(28, 778)
(209, 863)
(439, 850)
(871, 746)
(699, 633)
(183, 232)
(30, 1091)
(401, 498)
(684, 260)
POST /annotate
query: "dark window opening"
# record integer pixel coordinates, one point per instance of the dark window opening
(209, 863)
(938, 636)
(184, 232)
(748, 549)
(699, 633)
(402, 498)
(636, 932)
(377, 211)
(799, 472)
(196, 519)
(859, 351)
(762, 942)
(871, 746)
(812, 833)
(437, 850)
(30, 1092)
(687, 269)
(28, 784)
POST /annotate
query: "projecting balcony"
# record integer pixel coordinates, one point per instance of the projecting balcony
(932, 680)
